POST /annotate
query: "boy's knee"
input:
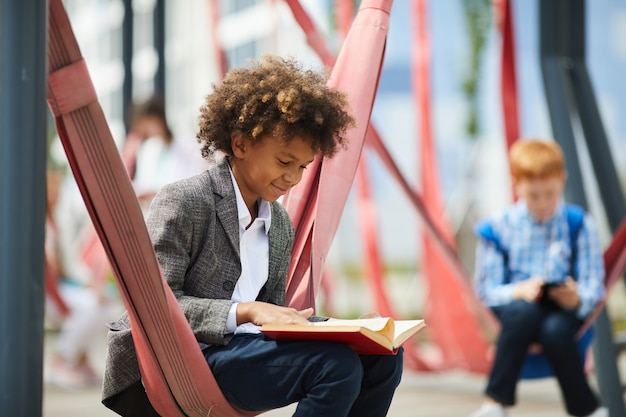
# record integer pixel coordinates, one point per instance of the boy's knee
(348, 371)
(557, 334)
(385, 367)
(521, 313)
(397, 366)
(345, 363)
(341, 372)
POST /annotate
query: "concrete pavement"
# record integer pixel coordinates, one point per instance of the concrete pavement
(449, 394)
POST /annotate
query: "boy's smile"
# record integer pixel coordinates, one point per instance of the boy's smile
(268, 168)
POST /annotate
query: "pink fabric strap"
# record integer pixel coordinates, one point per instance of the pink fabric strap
(70, 88)
(174, 371)
(319, 208)
(614, 267)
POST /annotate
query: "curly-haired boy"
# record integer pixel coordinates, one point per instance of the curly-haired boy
(224, 243)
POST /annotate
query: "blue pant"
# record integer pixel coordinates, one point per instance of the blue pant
(325, 378)
(524, 323)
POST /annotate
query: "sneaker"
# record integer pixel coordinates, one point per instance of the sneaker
(490, 409)
(600, 412)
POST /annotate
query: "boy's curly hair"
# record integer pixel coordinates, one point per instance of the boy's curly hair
(274, 96)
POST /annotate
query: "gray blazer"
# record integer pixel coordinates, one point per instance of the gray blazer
(194, 228)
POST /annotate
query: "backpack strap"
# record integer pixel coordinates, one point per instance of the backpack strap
(575, 218)
(485, 230)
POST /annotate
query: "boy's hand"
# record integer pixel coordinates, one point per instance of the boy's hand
(566, 295)
(529, 290)
(261, 313)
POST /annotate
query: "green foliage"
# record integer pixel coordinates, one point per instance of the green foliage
(478, 23)
(356, 271)
(51, 139)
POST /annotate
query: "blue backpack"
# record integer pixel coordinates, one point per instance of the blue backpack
(536, 364)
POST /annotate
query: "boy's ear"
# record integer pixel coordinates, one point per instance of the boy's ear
(238, 143)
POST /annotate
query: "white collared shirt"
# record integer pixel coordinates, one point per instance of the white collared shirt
(254, 254)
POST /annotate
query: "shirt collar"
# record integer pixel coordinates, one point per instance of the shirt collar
(524, 213)
(243, 214)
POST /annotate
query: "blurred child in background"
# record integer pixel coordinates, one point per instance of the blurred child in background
(79, 305)
(539, 267)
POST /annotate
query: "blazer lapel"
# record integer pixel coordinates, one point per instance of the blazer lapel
(276, 252)
(226, 207)
(273, 266)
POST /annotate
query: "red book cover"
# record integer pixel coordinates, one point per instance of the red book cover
(381, 336)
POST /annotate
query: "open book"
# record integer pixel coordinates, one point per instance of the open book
(379, 335)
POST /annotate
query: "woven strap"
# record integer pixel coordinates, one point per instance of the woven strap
(70, 88)
(174, 371)
(317, 202)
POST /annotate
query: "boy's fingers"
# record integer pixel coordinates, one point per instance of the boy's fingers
(307, 312)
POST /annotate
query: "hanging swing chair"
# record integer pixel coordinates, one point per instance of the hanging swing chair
(174, 372)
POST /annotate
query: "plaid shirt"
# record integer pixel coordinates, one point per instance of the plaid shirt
(539, 249)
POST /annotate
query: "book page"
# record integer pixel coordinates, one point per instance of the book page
(375, 323)
(405, 329)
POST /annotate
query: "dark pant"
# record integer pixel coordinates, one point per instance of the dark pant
(524, 323)
(132, 402)
(325, 378)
